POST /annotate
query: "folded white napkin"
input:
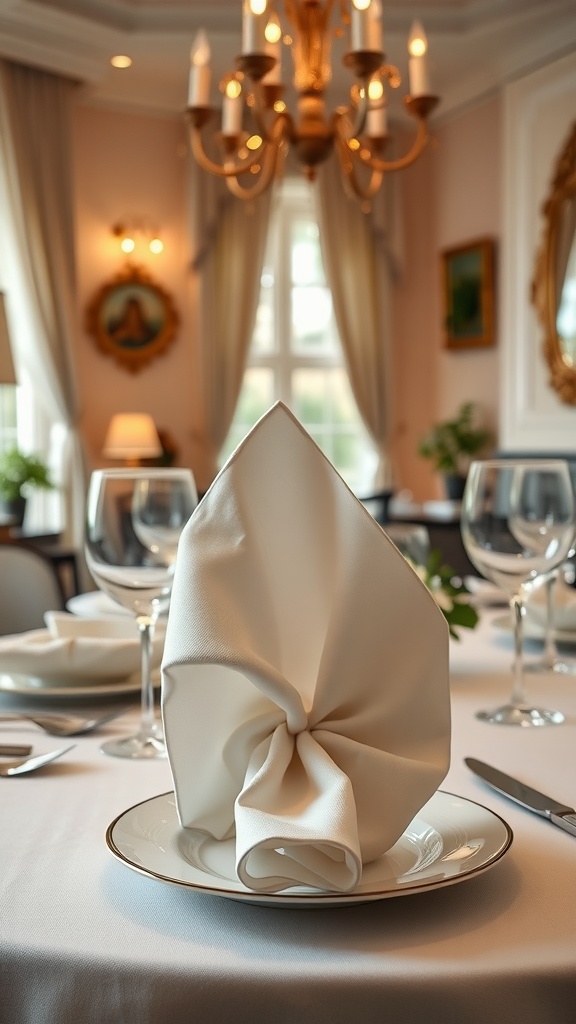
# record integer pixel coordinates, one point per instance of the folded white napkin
(305, 673)
(73, 649)
(564, 606)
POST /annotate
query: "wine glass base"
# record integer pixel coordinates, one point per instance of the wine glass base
(567, 668)
(141, 746)
(508, 714)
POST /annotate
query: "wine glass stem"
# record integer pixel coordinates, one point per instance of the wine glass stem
(518, 695)
(550, 649)
(146, 626)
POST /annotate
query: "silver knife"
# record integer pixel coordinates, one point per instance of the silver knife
(558, 814)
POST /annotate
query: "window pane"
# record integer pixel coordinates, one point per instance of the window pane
(306, 261)
(263, 339)
(8, 417)
(323, 402)
(313, 329)
(256, 396)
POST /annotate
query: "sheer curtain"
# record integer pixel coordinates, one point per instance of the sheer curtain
(35, 154)
(362, 253)
(228, 244)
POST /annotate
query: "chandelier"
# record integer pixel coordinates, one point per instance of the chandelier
(250, 160)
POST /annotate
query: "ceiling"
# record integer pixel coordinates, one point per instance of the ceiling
(474, 45)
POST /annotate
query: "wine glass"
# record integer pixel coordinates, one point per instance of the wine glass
(517, 525)
(551, 660)
(133, 524)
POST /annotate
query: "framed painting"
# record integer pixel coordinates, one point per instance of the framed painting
(468, 295)
(132, 319)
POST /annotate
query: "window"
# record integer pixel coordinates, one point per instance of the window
(8, 419)
(295, 355)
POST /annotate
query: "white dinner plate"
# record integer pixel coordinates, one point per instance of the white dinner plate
(95, 604)
(27, 686)
(534, 630)
(450, 839)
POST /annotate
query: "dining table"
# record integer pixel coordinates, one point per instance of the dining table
(87, 938)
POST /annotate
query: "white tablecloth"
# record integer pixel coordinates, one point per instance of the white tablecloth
(86, 940)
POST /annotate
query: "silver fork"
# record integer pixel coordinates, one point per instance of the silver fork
(30, 764)
(62, 725)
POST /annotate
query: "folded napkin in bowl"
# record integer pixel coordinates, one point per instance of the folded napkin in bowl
(74, 650)
(305, 672)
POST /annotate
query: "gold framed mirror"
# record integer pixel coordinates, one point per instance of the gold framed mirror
(554, 284)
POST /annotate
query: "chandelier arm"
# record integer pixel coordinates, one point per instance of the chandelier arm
(272, 164)
(352, 185)
(282, 124)
(227, 171)
(420, 142)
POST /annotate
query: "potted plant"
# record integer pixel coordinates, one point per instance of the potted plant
(19, 474)
(452, 445)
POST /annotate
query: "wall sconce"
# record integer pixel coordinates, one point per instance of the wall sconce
(135, 232)
(7, 372)
(132, 436)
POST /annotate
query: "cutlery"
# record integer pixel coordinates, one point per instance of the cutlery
(546, 806)
(15, 749)
(30, 764)
(62, 725)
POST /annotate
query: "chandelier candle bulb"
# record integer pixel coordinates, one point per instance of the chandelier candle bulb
(366, 25)
(232, 108)
(254, 21)
(377, 122)
(199, 81)
(273, 47)
(418, 62)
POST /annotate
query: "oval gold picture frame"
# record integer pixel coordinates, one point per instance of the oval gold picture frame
(132, 318)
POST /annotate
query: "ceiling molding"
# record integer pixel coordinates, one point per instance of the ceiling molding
(476, 46)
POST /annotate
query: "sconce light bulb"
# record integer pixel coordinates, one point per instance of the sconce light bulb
(361, 5)
(417, 42)
(127, 245)
(156, 245)
(258, 6)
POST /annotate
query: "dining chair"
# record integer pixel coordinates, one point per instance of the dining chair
(29, 586)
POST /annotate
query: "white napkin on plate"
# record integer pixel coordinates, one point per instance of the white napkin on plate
(74, 649)
(305, 672)
(563, 608)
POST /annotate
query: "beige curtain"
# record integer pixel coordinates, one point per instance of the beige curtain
(36, 155)
(362, 253)
(228, 244)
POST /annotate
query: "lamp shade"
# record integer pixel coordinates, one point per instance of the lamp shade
(7, 374)
(131, 435)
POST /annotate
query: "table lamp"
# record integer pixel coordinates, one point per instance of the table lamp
(131, 436)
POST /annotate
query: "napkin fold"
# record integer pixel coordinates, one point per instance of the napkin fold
(74, 649)
(305, 672)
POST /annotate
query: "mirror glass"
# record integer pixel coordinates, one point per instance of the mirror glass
(554, 285)
(566, 276)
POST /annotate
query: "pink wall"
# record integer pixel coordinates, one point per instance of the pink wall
(132, 165)
(451, 196)
(129, 164)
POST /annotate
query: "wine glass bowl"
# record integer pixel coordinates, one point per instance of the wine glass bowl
(133, 525)
(517, 525)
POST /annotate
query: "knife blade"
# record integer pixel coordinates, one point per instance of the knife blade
(539, 803)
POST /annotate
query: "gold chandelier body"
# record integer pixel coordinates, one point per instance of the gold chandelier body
(357, 131)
